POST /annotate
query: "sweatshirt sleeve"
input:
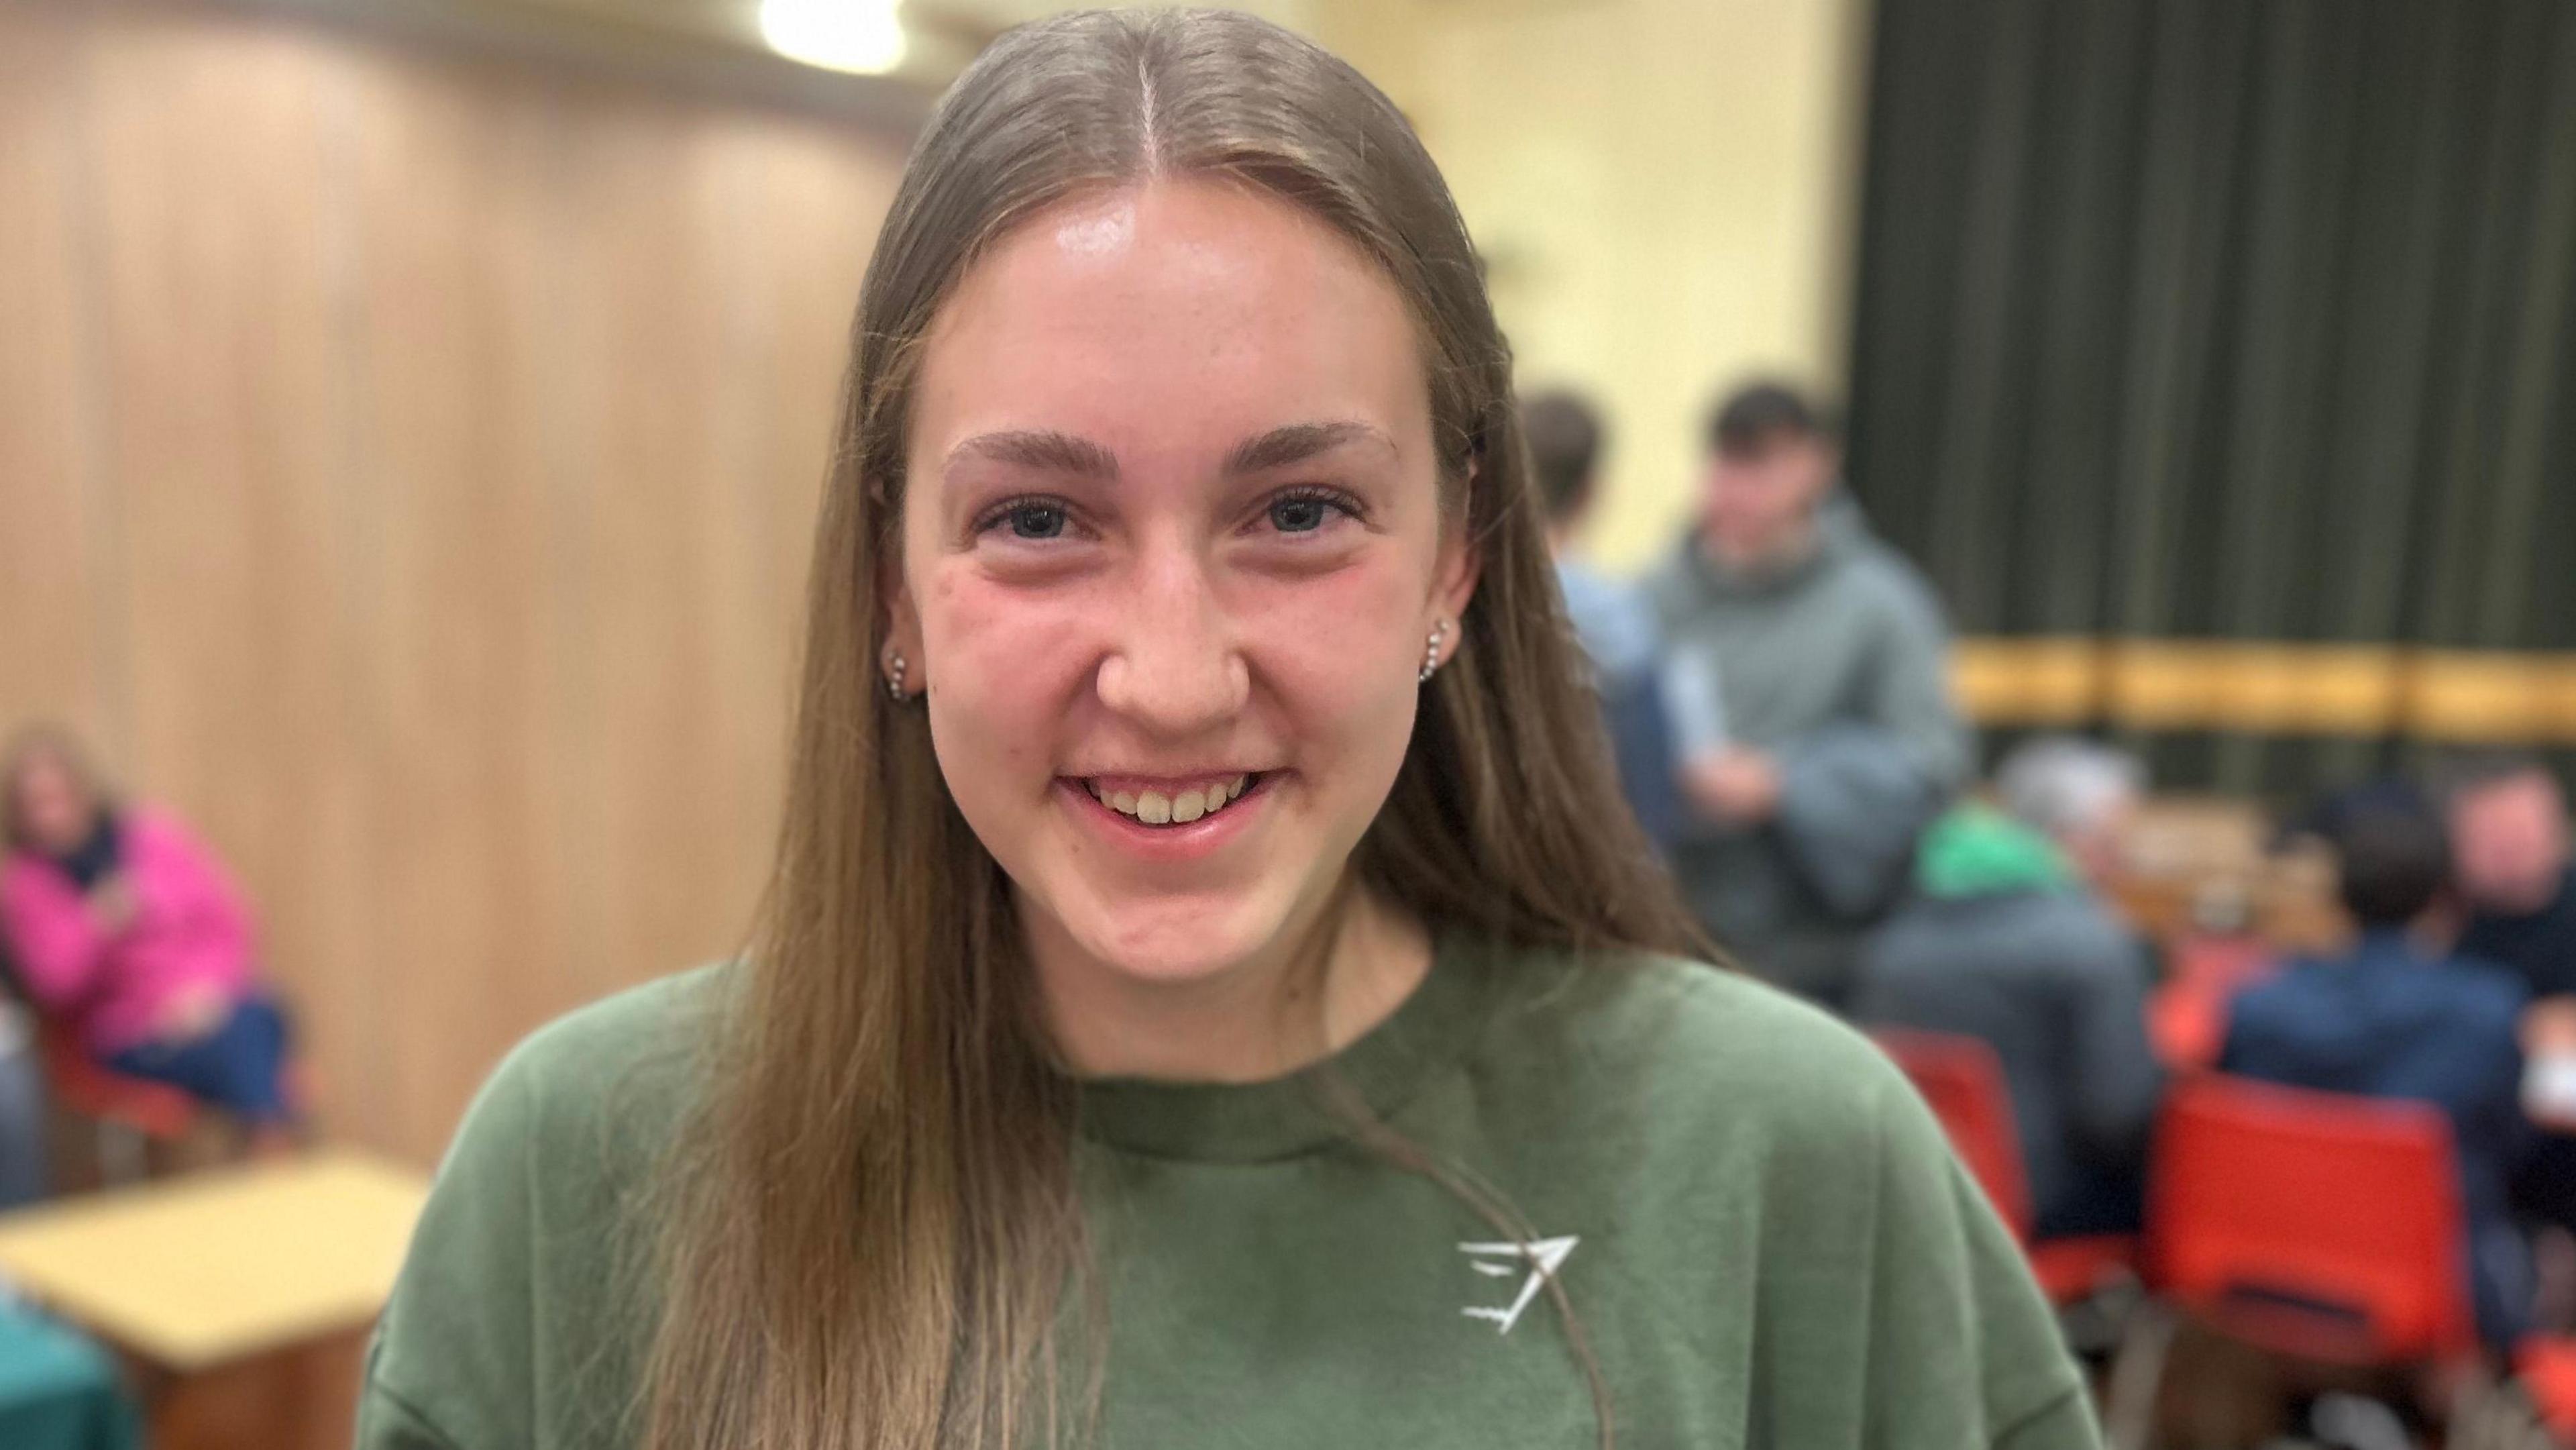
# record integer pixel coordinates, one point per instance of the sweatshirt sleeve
(1856, 793)
(55, 944)
(1908, 693)
(450, 1364)
(387, 1422)
(1963, 1349)
(523, 1310)
(1851, 809)
(2065, 1423)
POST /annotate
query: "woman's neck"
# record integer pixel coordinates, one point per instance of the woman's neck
(1323, 985)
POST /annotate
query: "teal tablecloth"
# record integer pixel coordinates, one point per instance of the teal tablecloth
(58, 1391)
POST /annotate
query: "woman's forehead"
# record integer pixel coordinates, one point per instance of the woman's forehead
(1180, 315)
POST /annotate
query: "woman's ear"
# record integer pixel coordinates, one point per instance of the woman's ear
(901, 665)
(1461, 561)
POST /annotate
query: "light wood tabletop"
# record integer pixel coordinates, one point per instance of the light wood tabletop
(223, 1264)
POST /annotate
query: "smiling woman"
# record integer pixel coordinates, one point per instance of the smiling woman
(1180, 433)
(1209, 992)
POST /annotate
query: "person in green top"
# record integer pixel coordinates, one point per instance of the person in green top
(1210, 992)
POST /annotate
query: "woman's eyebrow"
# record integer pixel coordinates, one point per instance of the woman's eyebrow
(1040, 448)
(1058, 452)
(1297, 442)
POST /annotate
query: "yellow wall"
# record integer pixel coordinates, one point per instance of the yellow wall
(1662, 189)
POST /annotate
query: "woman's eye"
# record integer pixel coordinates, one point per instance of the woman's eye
(1310, 510)
(1298, 515)
(1035, 521)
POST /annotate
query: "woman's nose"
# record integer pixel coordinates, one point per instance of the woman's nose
(1175, 668)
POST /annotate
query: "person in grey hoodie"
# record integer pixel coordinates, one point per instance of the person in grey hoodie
(1841, 739)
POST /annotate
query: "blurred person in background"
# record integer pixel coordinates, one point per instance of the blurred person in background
(23, 1166)
(1841, 738)
(2009, 940)
(2399, 1016)
(1204, 996)
(125, 931)
(1611, 618)
(2509, 833)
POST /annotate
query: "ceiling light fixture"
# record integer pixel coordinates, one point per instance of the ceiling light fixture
(863, 36)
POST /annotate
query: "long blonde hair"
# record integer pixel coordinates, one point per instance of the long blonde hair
(868, 1228)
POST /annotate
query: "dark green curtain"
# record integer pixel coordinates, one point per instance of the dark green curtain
(2226, 319)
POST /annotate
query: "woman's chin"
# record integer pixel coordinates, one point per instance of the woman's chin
(1176, 944)
(1177, 959)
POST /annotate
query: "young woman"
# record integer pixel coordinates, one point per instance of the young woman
(122, 927)
(1211, 993)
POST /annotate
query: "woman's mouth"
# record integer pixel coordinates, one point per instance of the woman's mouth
(1170, 803)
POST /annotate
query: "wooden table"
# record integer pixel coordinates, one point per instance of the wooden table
(242, 1292)
(224, 1264)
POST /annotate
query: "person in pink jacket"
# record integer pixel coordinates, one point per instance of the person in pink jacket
(123, 928)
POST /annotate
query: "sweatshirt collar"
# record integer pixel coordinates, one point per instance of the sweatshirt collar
(1296, 1114)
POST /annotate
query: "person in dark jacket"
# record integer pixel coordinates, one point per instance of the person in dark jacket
(2398, 1018)
(2008, 941)
(2511, 862)
(1841, 741)
(2509, 834)
(1610, 616)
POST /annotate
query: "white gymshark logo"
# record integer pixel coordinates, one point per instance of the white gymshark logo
(1501, 1261)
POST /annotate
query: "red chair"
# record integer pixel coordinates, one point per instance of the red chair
(129, 1112)
(2547, 1367)
(1962, 1080)
(2315, 1226)
(2311, 1224)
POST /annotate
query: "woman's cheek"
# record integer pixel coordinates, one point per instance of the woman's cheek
(1004, 666)
(993, 643)
(1342, 640)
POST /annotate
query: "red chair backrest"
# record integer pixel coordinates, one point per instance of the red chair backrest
(2187, 1015)
(2312, 1224)
(94, 1090)
(1963, 1081)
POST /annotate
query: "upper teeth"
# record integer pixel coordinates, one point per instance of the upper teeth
(1157, 809)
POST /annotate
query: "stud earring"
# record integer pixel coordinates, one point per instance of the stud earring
(1431, 652)
(894, 676)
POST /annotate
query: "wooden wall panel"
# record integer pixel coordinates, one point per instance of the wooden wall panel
(55, 651)
(419, 453)
(222, 283)
(455, 386)
(648, 480)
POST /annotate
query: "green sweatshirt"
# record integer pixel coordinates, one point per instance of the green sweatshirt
(1756, 1221)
